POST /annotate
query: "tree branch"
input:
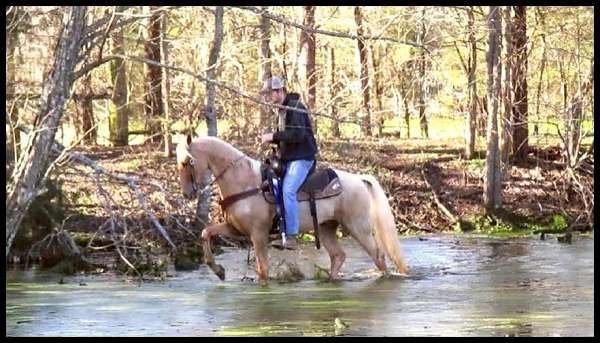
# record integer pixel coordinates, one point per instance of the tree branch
(130, 181)
(224, 86)
(325, 32)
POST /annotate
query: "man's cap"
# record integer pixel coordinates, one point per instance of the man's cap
(273, 83)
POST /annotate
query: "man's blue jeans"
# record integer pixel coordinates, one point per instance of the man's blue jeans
(295, 174)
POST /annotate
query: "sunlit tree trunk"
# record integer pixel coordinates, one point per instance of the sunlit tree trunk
(85, 111)
(29, 175)
(541, 22)
(333, 89)
(506, 126)
(204, 198)
(13, 138)
(311, 48)
(265, 121)
(520, 122)
(493, 181)
(284, 51)
(165, 85)
(574, 118)
(154, 106)
(422, 78)
(364, 73)
(472, 87)
(378, 89)
(403, 86)
(118, 108)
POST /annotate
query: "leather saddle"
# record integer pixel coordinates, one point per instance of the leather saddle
(321, 183)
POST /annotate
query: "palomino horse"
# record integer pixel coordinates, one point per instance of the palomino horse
(362, 209)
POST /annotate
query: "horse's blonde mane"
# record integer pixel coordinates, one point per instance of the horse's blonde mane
(207, 143)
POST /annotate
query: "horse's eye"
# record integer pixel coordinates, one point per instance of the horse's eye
(191, 162)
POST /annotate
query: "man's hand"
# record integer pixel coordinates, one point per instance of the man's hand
(266, 138)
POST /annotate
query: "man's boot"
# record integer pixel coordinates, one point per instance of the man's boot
(290, 243)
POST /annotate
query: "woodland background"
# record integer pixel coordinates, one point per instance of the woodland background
(473, 118)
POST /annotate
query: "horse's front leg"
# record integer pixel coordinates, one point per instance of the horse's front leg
(222, 229)
(260, 241)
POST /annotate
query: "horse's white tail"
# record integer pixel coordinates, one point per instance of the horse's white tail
(384, 224)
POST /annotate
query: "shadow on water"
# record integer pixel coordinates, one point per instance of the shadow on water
(465, 286)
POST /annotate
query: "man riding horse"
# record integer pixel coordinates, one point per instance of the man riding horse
(297, 150)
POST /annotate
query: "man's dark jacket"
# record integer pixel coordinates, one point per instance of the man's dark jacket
(297, 141)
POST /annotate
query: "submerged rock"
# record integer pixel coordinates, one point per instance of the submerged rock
(289, 272)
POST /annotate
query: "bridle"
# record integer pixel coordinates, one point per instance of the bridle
(230, 199)
(191, 163)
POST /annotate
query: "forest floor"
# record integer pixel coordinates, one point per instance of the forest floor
(536, 196)
(534, 190)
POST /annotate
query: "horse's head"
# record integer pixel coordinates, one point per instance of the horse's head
(191, 166)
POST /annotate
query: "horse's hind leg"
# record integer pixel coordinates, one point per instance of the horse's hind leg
(333, 247)
(222, 229)
(362, 233)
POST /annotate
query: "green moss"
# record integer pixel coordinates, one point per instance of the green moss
(559, 222)
(307, 237)
(321, 273)
(257, 330)
(509, 225)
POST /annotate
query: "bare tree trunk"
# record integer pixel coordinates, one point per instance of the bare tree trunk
(165, 85)
(265, 54)
(311, 75)
(13, 138)
(403, 89)
(154, 106)
(563, 76)
(85, 110)
(284, 52)
(482, 115)
(377, 87)
(406, 116)
(119, 110)
(364, 73)
(333, 89)
(30, 172)
(204, 197)
(574, 117)
(493, 181)
(398, 111)
(472, 115)
(507, 118)
(520, 121)
(422, 79)
(540, 17)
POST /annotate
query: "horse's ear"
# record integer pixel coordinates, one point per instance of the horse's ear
(189, 140)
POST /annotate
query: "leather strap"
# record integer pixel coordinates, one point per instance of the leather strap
(239, 196)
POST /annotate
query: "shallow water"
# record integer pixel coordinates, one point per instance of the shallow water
(458, 286)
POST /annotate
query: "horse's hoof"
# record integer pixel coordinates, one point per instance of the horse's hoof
(220, 271)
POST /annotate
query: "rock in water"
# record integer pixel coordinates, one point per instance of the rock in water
(339, 326)
(321, 273)
(289, 272)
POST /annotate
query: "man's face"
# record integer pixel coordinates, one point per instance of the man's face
(276, 96)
